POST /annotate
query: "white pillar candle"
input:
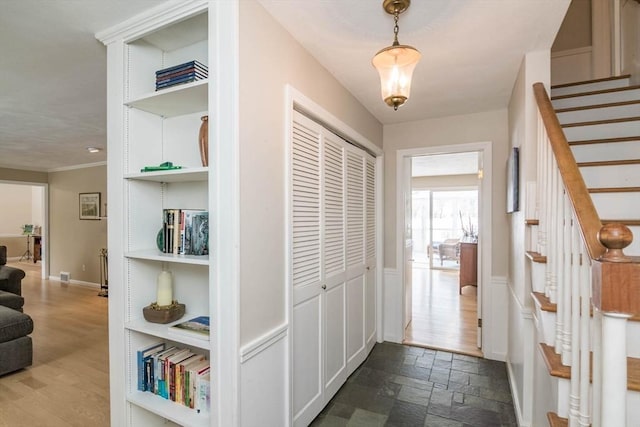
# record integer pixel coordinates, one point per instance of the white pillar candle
(165, 290)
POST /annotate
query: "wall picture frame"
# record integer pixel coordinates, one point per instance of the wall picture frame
(89, 206)
(513, 181)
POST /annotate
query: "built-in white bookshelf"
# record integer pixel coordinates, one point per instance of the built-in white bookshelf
(148, 127)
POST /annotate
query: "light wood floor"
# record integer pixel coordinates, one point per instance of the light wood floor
(442, 318)
(68, 384)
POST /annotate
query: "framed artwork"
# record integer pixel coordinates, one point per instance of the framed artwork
(89, 205)
(513, 181)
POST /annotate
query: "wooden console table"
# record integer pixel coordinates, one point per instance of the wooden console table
(468, 265)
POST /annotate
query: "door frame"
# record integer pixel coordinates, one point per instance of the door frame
(484, 219)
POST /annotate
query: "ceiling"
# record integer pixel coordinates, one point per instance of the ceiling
(53, 78)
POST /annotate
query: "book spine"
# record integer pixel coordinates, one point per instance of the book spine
(176, 232)
(189, 72)
(140, 371)
(189, 64)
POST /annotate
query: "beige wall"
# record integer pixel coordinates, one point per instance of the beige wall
(575, 31)
(26, 207)
(488, 126)
(269, 59)
(23, 176)
(75, 242)
(444, 181)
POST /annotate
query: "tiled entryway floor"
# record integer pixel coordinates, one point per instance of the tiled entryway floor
(399, 385)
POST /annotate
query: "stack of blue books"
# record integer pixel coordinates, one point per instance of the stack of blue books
(179, 74)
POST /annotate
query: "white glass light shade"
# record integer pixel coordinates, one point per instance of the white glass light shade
(395, 64)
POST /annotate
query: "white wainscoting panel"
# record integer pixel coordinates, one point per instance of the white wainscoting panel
(392, 306)
(264, 380)
(495, 319)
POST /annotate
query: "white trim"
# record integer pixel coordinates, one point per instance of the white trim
(514, 394)
(76, 282)
(262, 343)
(151, 19)
(380, 248)
(84, 166)
(314, 111)
(571, 52)
(485, 214)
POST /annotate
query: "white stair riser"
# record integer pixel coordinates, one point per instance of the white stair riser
(590, 87)
(634, 248)
(616, 205)
(546, 326)
(537, 276)
(604, 113)
(611, 176)
(608, 151)
(604, 130)
(598, 98)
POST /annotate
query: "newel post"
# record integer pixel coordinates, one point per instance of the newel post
(616, 294)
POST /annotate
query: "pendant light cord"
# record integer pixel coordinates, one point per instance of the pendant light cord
(395, 28)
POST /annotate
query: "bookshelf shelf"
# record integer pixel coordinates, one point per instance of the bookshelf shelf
(156, 255)
(162, 331)
(172, 411)
(174, 101)
(176, 175)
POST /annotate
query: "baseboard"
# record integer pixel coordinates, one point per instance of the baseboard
(516, 400)
(76, 282)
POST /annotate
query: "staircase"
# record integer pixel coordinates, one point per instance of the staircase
(585, 263)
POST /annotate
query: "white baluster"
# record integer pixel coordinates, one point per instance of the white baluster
(566, 278)
(575, 398)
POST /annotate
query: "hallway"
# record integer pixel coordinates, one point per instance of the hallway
(442, 318)
(400, 385)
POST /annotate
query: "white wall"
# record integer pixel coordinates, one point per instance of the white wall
(269, 60)
(471, 128)
(18, 209)
(523, 133)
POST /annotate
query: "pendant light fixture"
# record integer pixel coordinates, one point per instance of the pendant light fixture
(396, 63)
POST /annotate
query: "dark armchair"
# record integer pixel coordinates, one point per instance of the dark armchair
(10, 278)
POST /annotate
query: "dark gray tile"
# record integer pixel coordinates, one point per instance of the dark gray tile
(362, 418)
(404, 414)
(414, 395)
(408, 386)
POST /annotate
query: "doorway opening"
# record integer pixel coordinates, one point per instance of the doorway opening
(445, 196)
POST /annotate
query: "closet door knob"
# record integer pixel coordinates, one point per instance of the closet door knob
(324, 286)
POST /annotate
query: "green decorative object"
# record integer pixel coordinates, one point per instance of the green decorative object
(160, 240)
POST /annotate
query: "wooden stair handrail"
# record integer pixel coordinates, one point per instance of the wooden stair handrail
(585, 211)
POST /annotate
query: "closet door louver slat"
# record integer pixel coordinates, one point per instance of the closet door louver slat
(306, 206)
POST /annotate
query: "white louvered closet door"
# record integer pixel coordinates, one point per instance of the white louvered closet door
(308, 298)
(334, 262)
(355, 256)
(370, 253)
(332, 221)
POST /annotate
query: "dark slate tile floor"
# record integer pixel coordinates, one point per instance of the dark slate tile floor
(400, 385)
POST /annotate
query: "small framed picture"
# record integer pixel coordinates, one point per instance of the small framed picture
(513, 181)
(89, 205)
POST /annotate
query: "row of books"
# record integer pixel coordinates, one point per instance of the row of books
(175, 374)
(185, 231)
(180, 74)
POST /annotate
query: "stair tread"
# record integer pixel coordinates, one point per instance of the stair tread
(596, 106)
(605, 140)
(583, 82)
(626, 222)
(610, 163)
(614, 190)
(536, 257)
(557, 421)
(595, 92)
(531, 222)
(555, 367)
(545, 302)
(601, 122)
